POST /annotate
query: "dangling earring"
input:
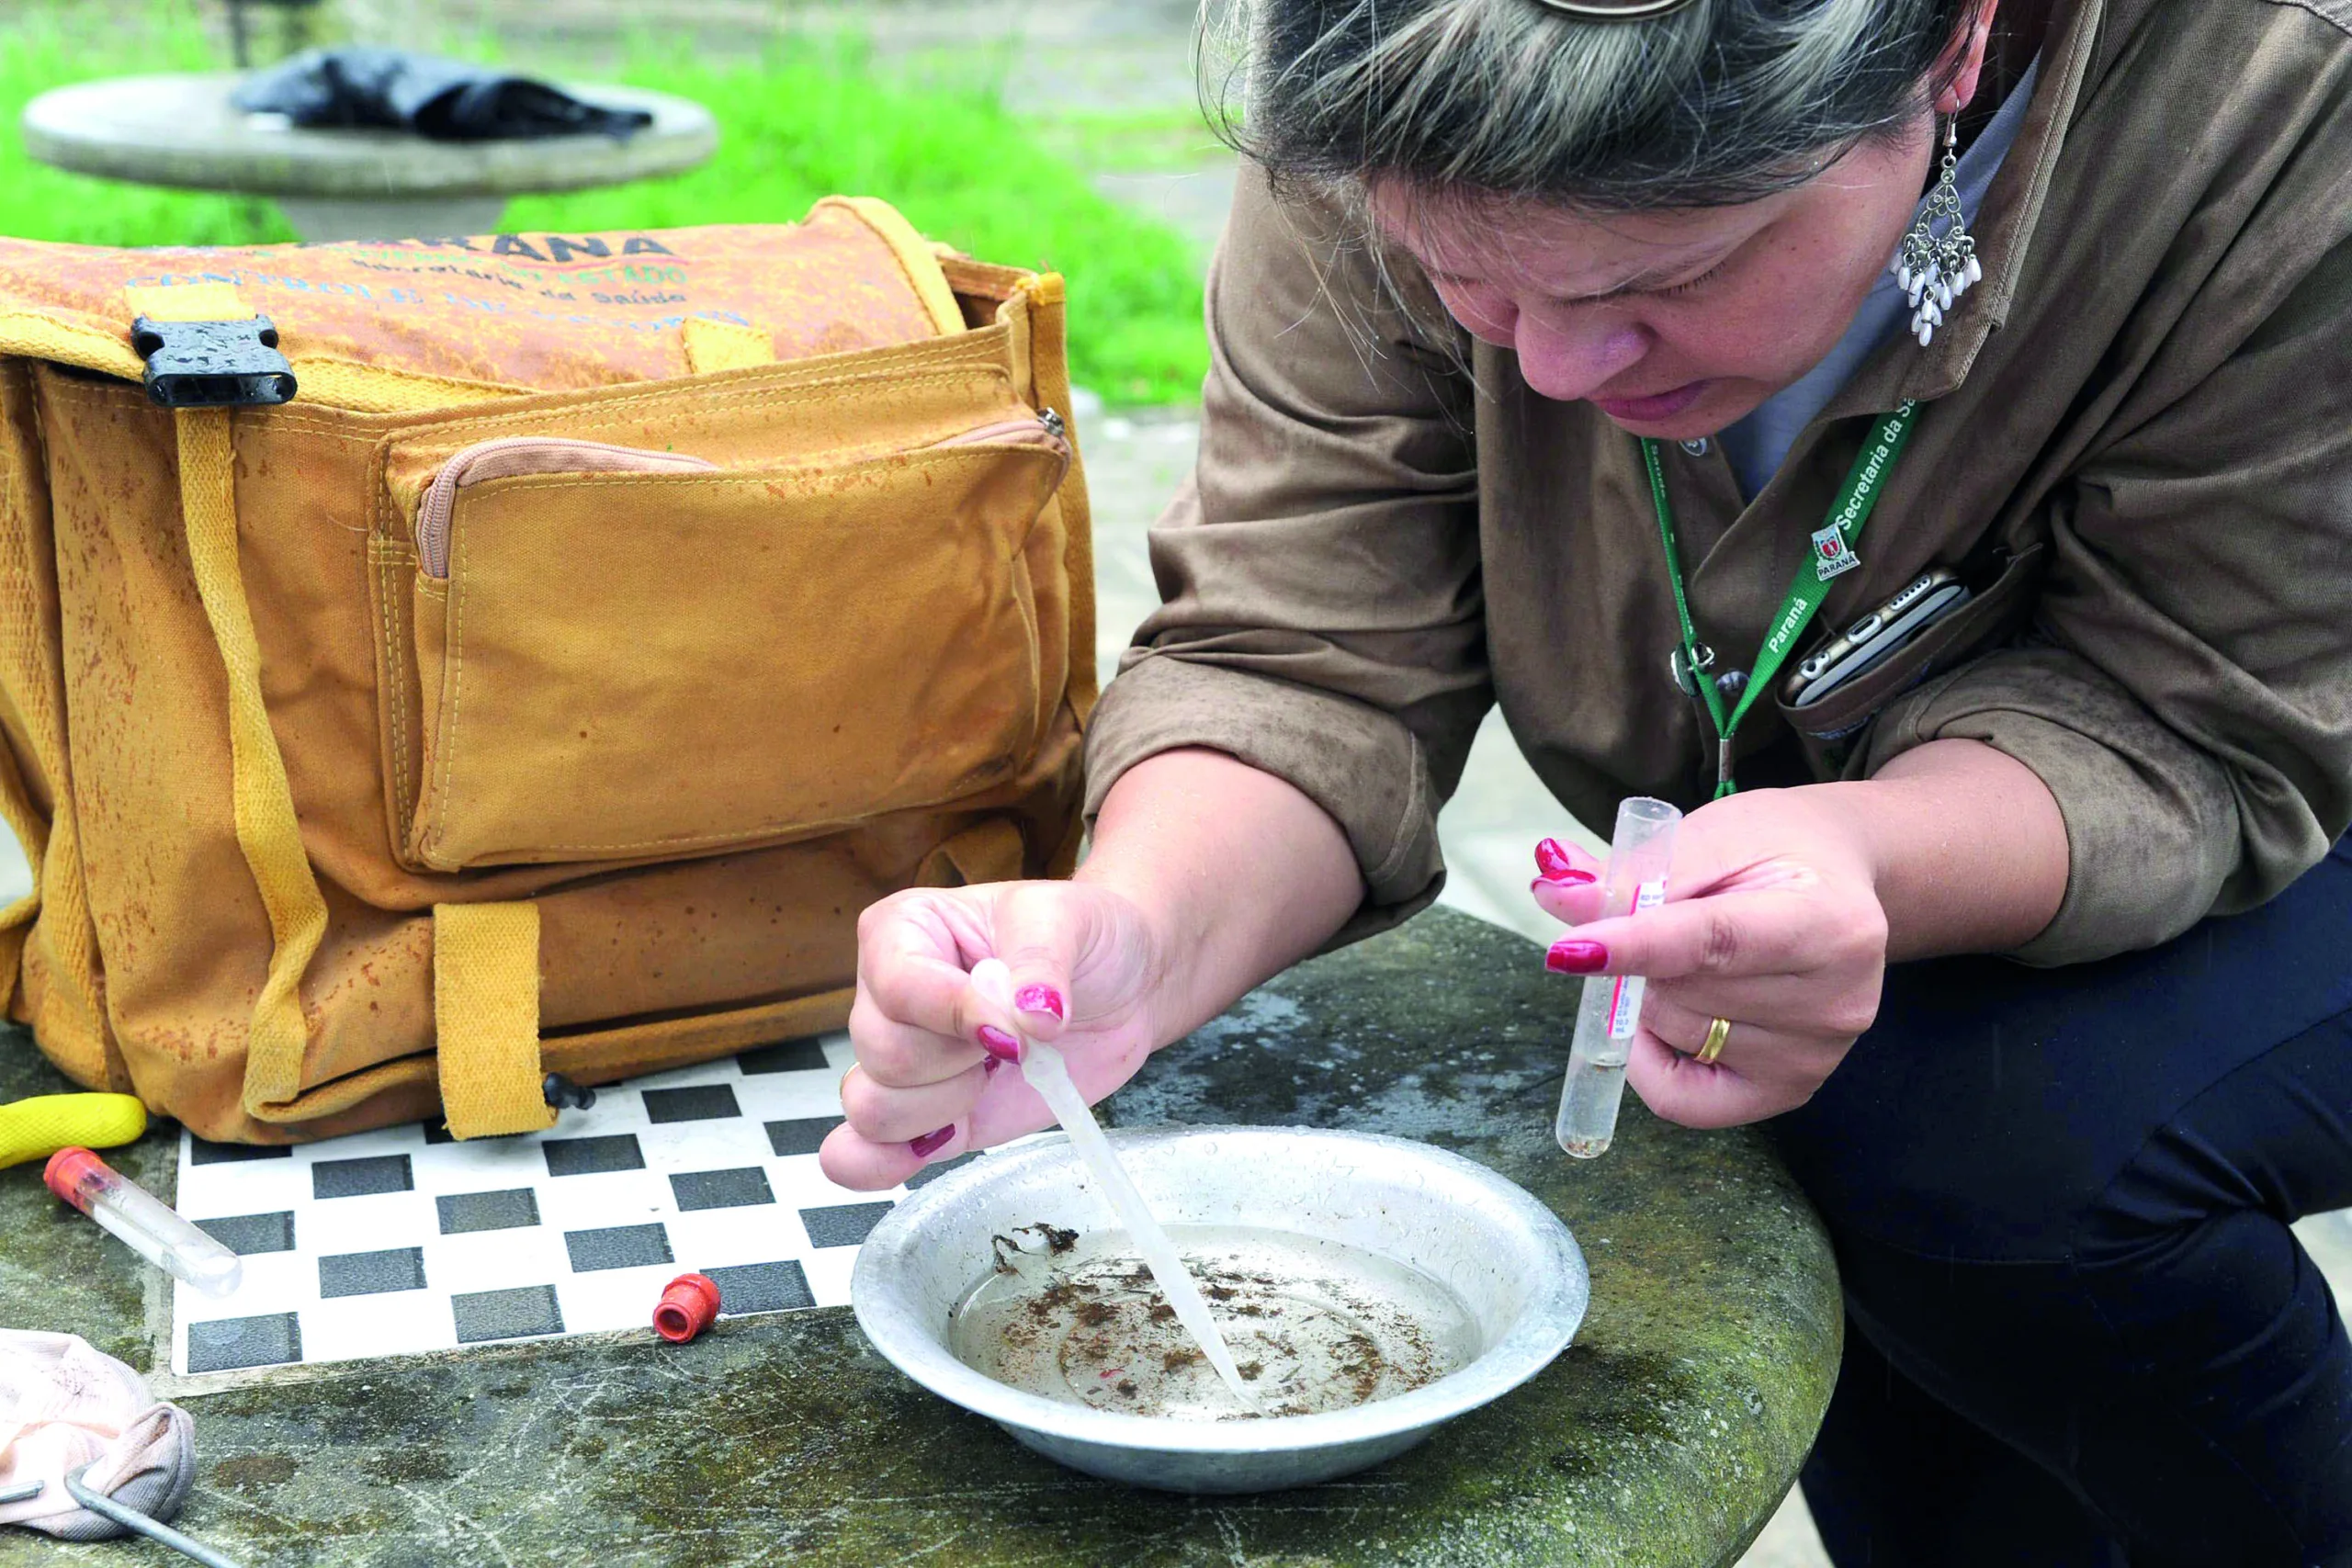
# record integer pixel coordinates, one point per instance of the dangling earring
(1935, 269)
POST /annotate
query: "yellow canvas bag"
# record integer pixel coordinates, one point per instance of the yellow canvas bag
(546, 687)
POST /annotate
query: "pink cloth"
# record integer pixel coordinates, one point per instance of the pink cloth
(64, 1405)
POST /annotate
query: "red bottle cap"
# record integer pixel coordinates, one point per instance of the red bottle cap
(67, 1170)
(689, 1304)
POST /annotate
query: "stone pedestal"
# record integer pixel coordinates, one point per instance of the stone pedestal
(1664, 1436)
(344, 184)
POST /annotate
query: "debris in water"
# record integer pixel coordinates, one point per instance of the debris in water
(1315, 1326)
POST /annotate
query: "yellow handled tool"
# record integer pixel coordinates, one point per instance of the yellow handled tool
(39, 1127)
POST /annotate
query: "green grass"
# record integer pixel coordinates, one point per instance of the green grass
(1156, 141)
(797, 124)
(40, 52)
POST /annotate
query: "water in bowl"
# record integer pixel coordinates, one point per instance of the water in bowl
(1315, 1326)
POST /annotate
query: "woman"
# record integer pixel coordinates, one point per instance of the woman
(1536, 321)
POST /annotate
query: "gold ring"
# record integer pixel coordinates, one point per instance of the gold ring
(1717, 1033)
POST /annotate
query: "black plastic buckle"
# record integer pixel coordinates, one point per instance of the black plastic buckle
(213, 365)
(562, 1094)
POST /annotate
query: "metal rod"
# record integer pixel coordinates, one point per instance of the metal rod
(24, 1494)
(132, 1519)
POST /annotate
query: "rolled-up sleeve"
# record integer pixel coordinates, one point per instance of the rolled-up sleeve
(2186, 690)
(1321, 616)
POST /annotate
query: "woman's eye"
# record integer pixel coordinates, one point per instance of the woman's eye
(1695, 283)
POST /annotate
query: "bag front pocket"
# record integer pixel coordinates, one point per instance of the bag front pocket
(628, 655)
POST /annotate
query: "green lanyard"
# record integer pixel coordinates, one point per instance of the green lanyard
(1833, 554)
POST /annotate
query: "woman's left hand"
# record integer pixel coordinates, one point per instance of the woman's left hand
(1772, 921)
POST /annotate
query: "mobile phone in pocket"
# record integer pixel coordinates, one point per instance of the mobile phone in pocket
(1875, 637)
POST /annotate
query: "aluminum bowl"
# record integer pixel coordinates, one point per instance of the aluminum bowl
(1505, 1257)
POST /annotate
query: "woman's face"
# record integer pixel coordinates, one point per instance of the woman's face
(1673, 323)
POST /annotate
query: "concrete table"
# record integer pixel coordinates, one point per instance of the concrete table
(344, 184)
(1664, 1436)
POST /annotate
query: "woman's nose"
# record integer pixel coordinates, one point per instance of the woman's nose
(1566, 362)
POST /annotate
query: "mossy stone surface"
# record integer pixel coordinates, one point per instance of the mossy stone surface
(1666, 1436)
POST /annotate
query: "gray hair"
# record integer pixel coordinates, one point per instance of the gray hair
(1721, 102)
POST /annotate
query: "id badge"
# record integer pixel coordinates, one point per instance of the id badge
(1832, 557)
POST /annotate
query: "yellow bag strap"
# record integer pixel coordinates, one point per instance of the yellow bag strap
(497, 948)
(30, 334)
(486, 1018)
(186, 302)
(916, 258)
(32, 836)
(261, 801)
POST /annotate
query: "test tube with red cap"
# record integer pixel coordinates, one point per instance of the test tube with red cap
(146, 1223)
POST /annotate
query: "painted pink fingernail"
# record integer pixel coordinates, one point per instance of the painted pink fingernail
(1554, 862)
(989, 1067)
(1040, 999)
(999, 1044)
(1576, 955)
(1565, 880)
(932, 1142)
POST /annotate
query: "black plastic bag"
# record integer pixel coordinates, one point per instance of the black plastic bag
(444, 100)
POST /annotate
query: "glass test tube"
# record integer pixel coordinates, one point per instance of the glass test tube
(146, 1223)
(1634, 879)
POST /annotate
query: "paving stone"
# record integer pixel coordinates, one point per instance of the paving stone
(844, 1224)
(800, 1135)
(361, 1177)
(371, 1273)
(695, 1102)
(721, 1188)
(761, 1287)
(203, 1151)
(248, 1235)
(511, 1209)
(232, 1343)
(618, 1247)
(787, 1057)
(515, 1313)
(589, 1157)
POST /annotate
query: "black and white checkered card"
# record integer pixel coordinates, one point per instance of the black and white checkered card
(405, 1240)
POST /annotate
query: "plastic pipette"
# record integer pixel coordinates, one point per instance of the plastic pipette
(1049, 1075)
(145, 1223)
(1611, 1009)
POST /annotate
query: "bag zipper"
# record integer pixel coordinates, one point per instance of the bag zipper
(1043, 429)
(512, 455)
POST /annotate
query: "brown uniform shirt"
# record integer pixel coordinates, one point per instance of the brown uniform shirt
(2136, 438)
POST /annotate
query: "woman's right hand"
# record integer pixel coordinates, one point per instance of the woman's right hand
(1206, 877)
(934, 1075)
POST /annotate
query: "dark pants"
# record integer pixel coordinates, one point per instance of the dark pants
(2079, 1330)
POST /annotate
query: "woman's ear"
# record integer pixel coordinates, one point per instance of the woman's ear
(1961, 64)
